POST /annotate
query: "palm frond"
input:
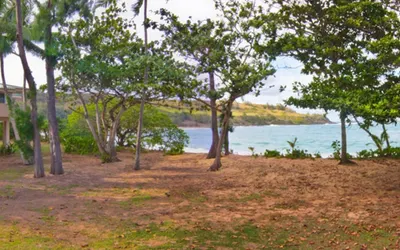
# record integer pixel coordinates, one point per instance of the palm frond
(137, 6)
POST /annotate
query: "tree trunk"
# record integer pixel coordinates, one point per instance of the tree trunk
(386, 137)
(56, 167)
(113, 134)
(374, 138)
(38, 167)
(225, 125)
(142, 102)
(26, 159)
(24, 94)
(214, 118)
(343, 156)
(226, 142)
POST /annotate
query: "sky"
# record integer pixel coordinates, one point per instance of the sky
(288, 70)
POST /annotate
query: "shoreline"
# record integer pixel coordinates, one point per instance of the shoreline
(266, 125)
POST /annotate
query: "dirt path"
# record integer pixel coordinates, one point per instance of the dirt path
(175, 203)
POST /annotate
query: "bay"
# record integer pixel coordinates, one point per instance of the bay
(313, 138)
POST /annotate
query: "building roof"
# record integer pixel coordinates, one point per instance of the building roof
(11, 88)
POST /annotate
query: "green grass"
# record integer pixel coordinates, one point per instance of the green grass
(61, 190)
(10, 174)
(256, 196)
(294, 235)
(7, 192)
(137, 200)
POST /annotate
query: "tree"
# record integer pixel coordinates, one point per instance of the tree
(136, 8)
(158, 133)
(7, 39)
(331, 39)
(201, 43)
(103, 64)
(38, 165)
(51, 14)
(243, 69)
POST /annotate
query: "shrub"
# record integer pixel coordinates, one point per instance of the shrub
(367, 154)
(77, 138)
(336, 149)
(253, 153)
(295, 153)
(271, 153)
(7, 149)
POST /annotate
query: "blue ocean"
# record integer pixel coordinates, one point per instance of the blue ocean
(313, 138)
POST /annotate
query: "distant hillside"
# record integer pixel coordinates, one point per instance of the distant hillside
(196, 115)
(245, 114)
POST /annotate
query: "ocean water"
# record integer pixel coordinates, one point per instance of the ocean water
(313, 138)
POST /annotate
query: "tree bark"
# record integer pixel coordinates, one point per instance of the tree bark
(24, 94)
(38, 167)
(388, 147)
(27, 160)
(142, 102)
(225, 125)
(343, 156)
(214, 118)
(56, 167)
(113, 133)
(226, 142)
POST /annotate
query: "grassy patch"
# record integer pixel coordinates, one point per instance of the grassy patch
(11, 237)
(61, 190)
(256, 196)
(137, 200)
(194, 197)
(10, 174)
(45, 214)
(7, 192)
(285, 234)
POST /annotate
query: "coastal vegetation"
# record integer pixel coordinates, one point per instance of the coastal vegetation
(350, 49)
(106, 126)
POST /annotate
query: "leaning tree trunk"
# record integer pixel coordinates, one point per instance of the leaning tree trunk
(214, 119)
(38, 167)
(225, 126)
(24, 94)
(142, 102)
(386, 138)
(374, 138)
(226, 143)
(56, 166)
(343, 156)
(26, 159)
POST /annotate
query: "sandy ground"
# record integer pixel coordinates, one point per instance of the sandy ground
(94, 199)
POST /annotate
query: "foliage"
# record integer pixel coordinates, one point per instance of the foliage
(76, 137)
(158, 132)
(253, 153)
(317, 155)
(7, 149)
(368, 154)
(105, 60)
(336, 146)
(295, 153)
(25, 128)
(336, 149)
(344, 46)
(272, 153)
